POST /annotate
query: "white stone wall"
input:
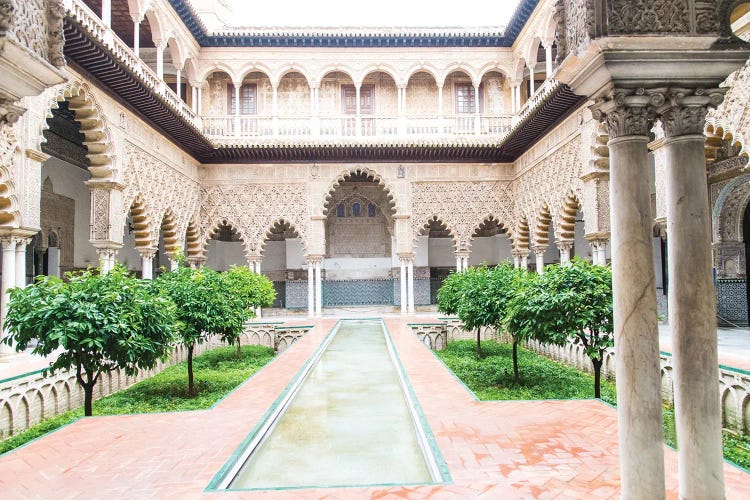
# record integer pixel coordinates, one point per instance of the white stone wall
(27, 400)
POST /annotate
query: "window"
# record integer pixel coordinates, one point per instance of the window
(248, 93)
(366, 99)
(371, 210)
(356, 209)
(465, 98)
(340, 211)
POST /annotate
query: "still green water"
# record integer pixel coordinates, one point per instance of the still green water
(349, 424)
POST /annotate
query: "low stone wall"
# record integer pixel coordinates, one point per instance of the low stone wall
(734, 384)
(27, 399)
(273, 334)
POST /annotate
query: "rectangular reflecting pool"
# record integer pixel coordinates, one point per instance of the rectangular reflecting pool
(349, 420)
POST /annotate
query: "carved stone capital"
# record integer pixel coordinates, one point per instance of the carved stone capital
(10, 111)
(564, 245)
(684, 110)
(147, 253)
(628, 112)
(6, 16)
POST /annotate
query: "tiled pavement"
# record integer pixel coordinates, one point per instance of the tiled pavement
(524, 449)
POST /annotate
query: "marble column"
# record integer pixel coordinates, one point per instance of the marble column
(410, 280)
(194, 98)
(564, 247)
(639, 410)
(525, 261)
(539, 255)
(358, 110)
(178, 84)
(256, 270)
(459, 264)
(532, 70)
(310, 289)
(9, 244)
(692, 296)
(147, 262)
(477, 115)
(237, 107)
(21, 262)
(403, 285)
(441, 119)
(516, 260)
(160, 59)
(137, 37)
(548, 59)
(107, 258)
(275, 108)
(318, 289)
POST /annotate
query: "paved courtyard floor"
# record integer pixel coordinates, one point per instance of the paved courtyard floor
(513, 449)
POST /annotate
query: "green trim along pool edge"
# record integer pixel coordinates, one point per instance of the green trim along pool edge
(302, 372)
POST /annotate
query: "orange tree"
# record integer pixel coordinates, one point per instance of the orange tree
(98, 322)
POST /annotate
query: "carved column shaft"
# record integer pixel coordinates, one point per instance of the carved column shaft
(639, 410)
(692, 299)
(9, 244)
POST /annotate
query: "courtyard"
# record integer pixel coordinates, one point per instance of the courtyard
(493, 449)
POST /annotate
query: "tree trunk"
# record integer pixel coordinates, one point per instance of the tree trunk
(479, 343)
(597, 377)
(191, 386)
(88, 399)
(516, 376)
(239, 347)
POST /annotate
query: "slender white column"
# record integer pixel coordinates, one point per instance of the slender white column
(200, 99)
(539, 254)
(602, 253)
(173, 264)
(513, 99)
(524, 261)
(516, 261)
(318, 290)
(466, 263)
(107, 13)
(107, 259)
(410, 279)
(178, 86)
(564, 247)
(404, 304)
(160, 59)
(532, 88)
(137, 38)
(314, 116)
(275, 109)
(8, 279)
(518, 98)
(459, 265)
(595, 253)
(310, 289)
(477, 116)
(639, 409)
(237, 132)
(358, 118)
(692, 299)
(21, 262)
(147, 263)
(441, 124)
(402, 110)
(548, 59)
(194, 98)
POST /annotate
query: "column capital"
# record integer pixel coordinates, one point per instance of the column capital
(539, 249)
(628, 112)
(462, 253)
(684, 110)
(147, 252)
(564, 245)
(9, 242)
(314, 259)
(406, 256)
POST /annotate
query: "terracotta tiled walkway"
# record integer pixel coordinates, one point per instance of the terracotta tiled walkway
(535, 449)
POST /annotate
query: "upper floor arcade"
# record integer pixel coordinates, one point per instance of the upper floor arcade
(328, 84)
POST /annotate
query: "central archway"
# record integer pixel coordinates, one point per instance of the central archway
(359, 259)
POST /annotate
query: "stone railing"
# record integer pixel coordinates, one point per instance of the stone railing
(96, 28)
(273, 334)
(27, 399)
(734, 384)
(263, 126)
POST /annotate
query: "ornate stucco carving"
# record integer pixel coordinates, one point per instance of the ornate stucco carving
(477, 201)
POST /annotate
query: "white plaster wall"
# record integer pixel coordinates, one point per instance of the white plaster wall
(361, 268)
(441, 252)
(421, 252)
(490, 250)
(295, 254)
(220, 255)
(582, 246)
(128, 256)
(68, 180)
(274, 256)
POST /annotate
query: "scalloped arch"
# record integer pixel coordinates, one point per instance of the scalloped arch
(437, 218)
(266, 233)
(139, 215)
(214, 228)
(10, 212)
(488, 218)
(566, 226)
(94, 128)
(346, 174)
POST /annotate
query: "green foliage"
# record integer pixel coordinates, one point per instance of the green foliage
(491, 378)
(571, 301)
(100, 322)
(450, 293)
(218, 372)
(212, 303)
